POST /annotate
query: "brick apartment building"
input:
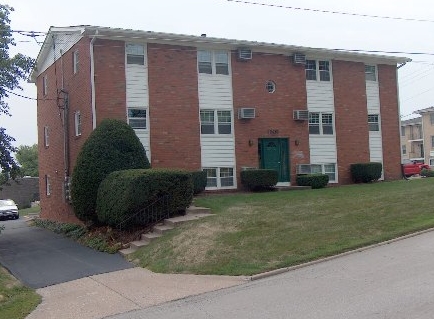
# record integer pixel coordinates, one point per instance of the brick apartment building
(214, 104)
(417, 137)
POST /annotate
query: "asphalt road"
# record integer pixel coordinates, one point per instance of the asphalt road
(395, 280)
(40, 258)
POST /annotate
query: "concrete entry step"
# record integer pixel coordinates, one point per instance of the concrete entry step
(192, 213)
(160, 229)
(150, 236)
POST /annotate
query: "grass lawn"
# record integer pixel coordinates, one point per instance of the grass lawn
(31, 210)
(255, 232)
(16, 301)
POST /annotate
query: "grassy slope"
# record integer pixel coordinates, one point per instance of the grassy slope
(16, 301)
(256, 232)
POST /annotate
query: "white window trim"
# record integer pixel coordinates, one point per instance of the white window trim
(375, 73)
(219, 178)
(146, 118)
(135, 54)
(213, 62)
(216, 122)
(379, 122)
(77, 123)
(46, 136)
(318, 71)
(75, 57)
(47, 185)
(44, 85)
(321, 125)
(306, 169)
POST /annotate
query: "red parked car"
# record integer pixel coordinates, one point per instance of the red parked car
(413, 168)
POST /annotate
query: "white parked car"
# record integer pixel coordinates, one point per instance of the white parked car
(8, 209)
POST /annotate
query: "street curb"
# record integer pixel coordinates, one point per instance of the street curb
(318, 261)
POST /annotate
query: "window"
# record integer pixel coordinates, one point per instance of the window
(330, 170)
(402, 130)
(77, 117)
(75, 61)
(47, 185)
(327, 168)
(208, 124)
(226, 176)
(137, 118)
(221, 62)
(404, 149)
(320, 123)
(270, 86)
(135, 54)
(432, 141)
(46, 136)
(431, 162)
(373, 122)
(431, 117)
(317, 70)
(219, 177)
(370, 73)
(213, 62)
(44, 85)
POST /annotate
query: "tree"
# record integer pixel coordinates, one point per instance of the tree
(27, 157)
(112, 146)
(12, 71)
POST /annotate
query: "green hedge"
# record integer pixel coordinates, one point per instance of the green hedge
(313, 180)
(366, 172)
(123, 193)
(259, 179)
(112, 146)
(199, 181)
(427, 173)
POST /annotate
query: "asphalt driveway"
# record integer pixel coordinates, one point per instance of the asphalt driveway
(40, 258)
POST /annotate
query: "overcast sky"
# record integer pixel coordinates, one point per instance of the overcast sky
(243, 21)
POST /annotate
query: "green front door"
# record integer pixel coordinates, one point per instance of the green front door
(274, 155)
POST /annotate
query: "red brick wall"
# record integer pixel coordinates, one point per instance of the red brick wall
(390, 121)
(174, 107)
(274, 111)
(351, 116)
(51, 158)
(110, 84)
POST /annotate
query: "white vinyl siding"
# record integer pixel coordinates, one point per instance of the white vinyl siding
(137, 92)
(63, 43)
(374, 116)
(320, 100)
(216, 117)
(215, 92)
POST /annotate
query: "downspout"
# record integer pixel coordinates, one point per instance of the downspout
(92, 79)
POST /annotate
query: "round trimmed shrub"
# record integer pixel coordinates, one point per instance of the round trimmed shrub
(313, 180)
(112, 146)
(199, 181)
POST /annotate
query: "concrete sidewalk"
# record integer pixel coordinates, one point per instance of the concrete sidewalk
(121, 291)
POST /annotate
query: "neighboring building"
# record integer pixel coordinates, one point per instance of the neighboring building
(427, 122)
(214, 104)
(412, 140)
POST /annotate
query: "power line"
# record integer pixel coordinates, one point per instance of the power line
(329, 11)
(23, 96)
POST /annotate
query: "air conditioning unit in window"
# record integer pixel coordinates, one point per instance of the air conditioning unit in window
(299, 59)
(244, 54)
(246, 113)
(301, 115)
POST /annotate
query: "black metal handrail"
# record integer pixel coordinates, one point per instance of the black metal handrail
(149, 216)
